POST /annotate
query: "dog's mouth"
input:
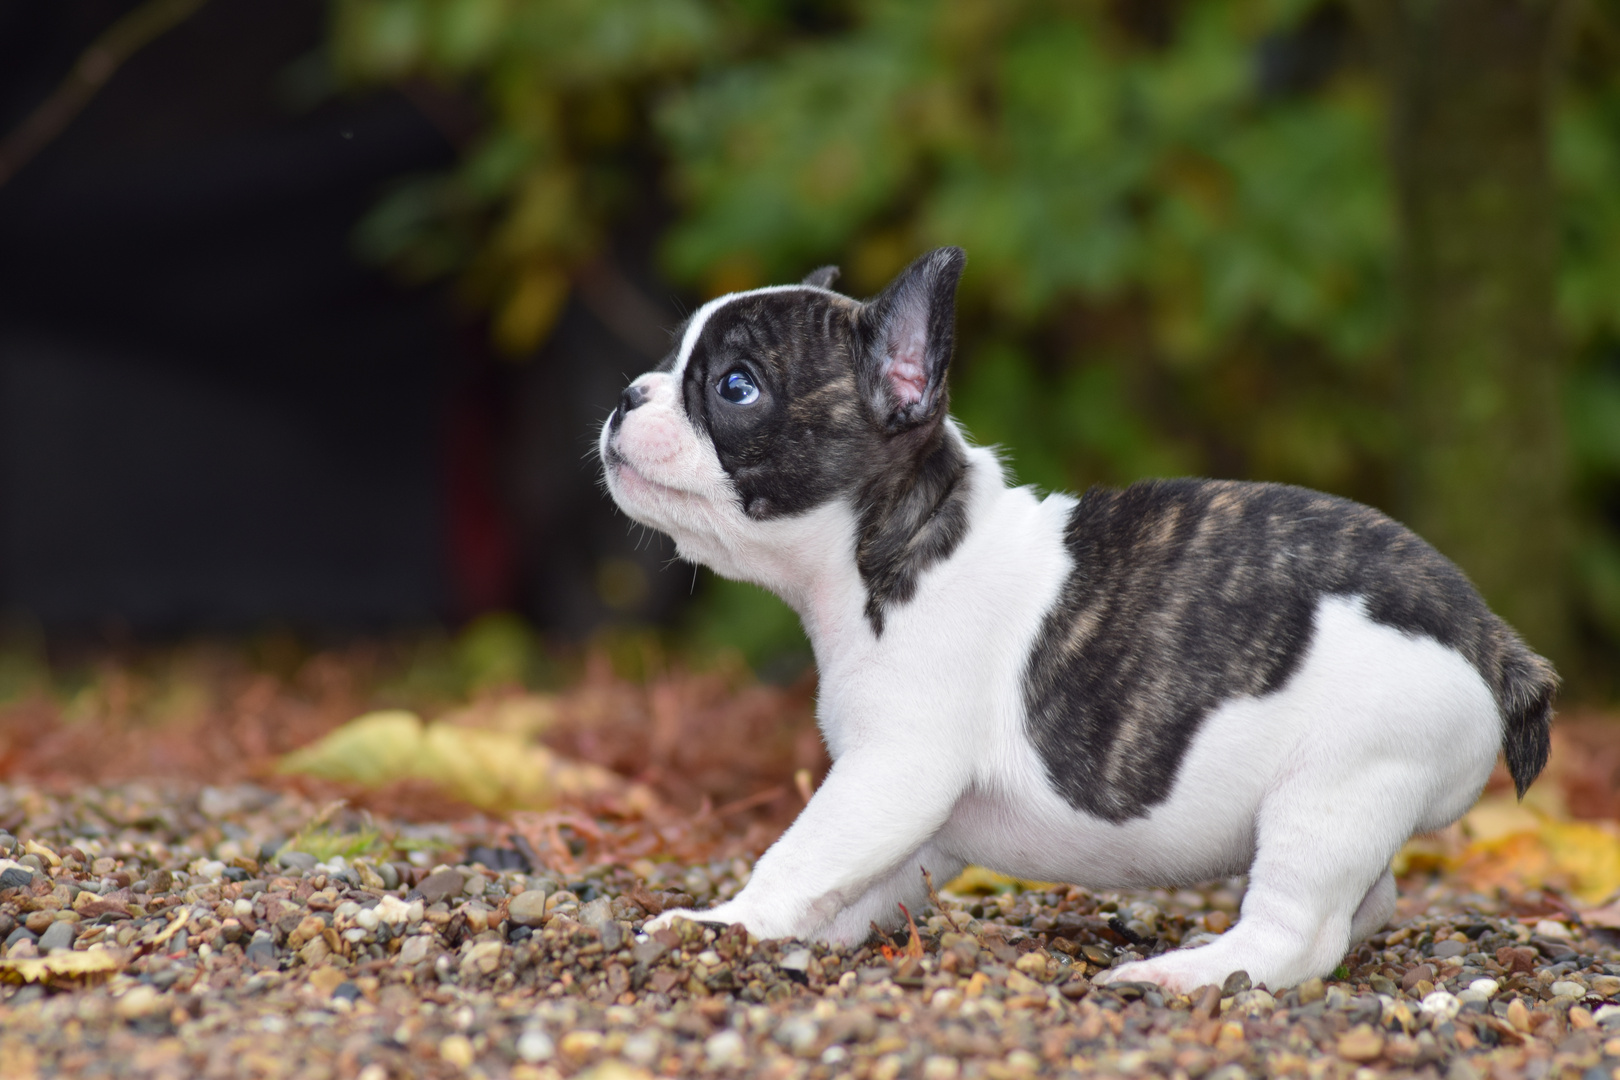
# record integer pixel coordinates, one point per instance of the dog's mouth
(633, 478)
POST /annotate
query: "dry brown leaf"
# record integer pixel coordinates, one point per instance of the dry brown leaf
(1607, 916)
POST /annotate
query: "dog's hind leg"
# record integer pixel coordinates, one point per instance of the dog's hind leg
(1320, 874)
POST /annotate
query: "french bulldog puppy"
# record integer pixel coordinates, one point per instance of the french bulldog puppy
(1177, 681)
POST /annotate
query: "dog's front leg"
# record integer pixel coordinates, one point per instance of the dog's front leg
(874, 811)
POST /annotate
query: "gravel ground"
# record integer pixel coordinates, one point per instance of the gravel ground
(238, 931)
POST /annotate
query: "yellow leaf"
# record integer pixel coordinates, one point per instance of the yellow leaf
(372, 749)
(173, 928)
(1494, 818)
(977, 880)
(61, 966)
(493, 769)
(1516, 846)
(1589, 853)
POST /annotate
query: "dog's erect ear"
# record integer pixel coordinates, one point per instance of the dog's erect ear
(907, 334)
(821, 278)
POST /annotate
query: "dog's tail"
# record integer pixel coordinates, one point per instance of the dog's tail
(1524, 685)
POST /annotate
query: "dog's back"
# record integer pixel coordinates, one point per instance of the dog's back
(1185, 594)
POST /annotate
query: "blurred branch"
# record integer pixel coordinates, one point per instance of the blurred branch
(449, 113)
(97, 64)
(622, 308)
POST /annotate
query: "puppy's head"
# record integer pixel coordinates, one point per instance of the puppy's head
(777, 401)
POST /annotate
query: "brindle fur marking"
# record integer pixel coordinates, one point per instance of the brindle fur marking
(812, 437)
(1187, 593)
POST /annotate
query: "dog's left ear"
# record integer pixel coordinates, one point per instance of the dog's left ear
(822, 277)
(907, 335)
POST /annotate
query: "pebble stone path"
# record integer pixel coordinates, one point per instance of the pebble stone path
(159, 932)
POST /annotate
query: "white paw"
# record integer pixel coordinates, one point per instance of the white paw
(667, 919)
(1181, 971)
(723, 913)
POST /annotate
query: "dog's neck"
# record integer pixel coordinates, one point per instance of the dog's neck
(911, 521)
(847, 565)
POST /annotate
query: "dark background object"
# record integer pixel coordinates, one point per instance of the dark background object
(212, 415)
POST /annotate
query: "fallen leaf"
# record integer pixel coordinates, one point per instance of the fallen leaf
(1589, 851)
(172, 929)
(1505, 844)
(492, 769)
(977, 881)
(1499, 817)
(62, 966)
(914, 947)
(1607, 916)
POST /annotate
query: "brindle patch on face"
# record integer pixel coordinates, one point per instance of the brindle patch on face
(794, 447)
(812, 436)
(1187, 593)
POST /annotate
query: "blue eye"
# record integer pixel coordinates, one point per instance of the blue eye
(737, 388)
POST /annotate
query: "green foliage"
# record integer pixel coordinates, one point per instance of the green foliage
(323, 842)
(24, 670)
(1178, 262)
(498, 649)
(1070, 161)
(747, 620)
(564, 84)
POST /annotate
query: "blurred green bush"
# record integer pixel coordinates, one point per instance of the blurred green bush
(1179, 215)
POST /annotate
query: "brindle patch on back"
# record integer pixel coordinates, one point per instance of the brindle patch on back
(1188, 593)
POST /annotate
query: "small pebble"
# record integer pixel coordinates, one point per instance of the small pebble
(59, 935)
(457, 1050)
(725, 1050)
(1361, 1043)
(596, 912)
(527, 908)
(414, 951)
(137, 1001)
(1441, 1005)
(643, 1047)
(440, 885)
(535, 1046)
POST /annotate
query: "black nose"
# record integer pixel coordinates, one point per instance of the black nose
(633, 397)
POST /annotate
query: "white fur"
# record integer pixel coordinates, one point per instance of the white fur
(1310, 789)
